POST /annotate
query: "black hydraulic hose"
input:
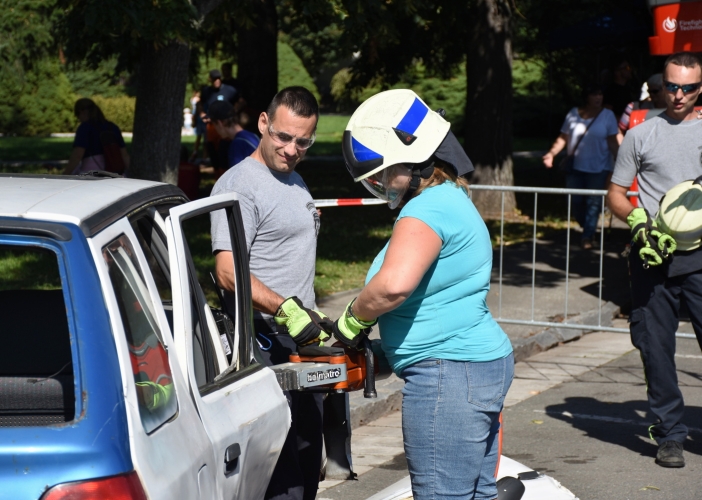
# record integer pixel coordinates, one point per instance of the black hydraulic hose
(369, 382)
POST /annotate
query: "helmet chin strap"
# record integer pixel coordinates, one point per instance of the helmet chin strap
(419, 171)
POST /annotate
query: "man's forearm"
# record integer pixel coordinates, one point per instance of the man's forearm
(264, 299)
(618, 203)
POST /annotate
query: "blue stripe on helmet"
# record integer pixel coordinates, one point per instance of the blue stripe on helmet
(413, 118)
(362, 153)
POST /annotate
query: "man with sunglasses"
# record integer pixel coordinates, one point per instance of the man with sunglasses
(281, 224)
(662, 152)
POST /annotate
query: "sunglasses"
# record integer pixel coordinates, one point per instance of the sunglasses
(686, 89)
(284, 139)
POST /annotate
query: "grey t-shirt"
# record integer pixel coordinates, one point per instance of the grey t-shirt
(660, 153)
(281, 225)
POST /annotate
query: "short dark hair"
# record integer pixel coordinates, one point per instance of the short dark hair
(685, 59)
(298, 100)
(590, 89)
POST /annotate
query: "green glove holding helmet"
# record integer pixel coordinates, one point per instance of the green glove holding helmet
(654, 245)
(349, 330)
(305, 326)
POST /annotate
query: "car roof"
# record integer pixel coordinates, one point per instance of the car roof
(89, 202)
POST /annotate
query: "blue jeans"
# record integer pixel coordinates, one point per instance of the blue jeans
(586, 209)
(450, 423)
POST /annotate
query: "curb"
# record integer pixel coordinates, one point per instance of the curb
(389, 390)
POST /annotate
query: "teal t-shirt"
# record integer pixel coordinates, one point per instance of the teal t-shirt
(446, 317)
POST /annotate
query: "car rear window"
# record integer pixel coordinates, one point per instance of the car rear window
(36, 369)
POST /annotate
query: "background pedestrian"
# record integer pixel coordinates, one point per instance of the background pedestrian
(98, 143)
(590, 134)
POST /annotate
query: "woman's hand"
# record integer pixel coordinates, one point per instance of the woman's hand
(556, 148)
(548, 160)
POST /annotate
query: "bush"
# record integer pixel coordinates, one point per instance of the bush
(37, 102)
(449, 94)
(119, 110)
(291, 71)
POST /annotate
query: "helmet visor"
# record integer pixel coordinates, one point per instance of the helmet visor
(390, 184)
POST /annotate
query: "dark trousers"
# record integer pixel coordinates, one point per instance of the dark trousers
(296, 474)
(586, 209)
(654, 318)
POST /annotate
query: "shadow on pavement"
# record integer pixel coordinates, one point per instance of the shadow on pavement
(551, 253)
(621, 423)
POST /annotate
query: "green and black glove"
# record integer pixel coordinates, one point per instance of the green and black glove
(349, 330)
(305, 326)
(654, 245)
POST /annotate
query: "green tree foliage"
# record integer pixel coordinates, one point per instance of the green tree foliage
(97, 30)
(291, 71)
(553, 50)
(447, 93)
(104, 79)
(35, 96)
(46, 102)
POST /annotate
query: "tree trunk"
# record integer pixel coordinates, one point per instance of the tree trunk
(488, 114)
(158, 116)
(258, 57)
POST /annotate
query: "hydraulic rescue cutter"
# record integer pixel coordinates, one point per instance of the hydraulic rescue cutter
(334, 369)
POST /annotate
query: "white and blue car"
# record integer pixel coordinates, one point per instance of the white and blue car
(119, 375)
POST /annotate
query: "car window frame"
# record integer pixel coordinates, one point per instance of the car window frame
(250, 359)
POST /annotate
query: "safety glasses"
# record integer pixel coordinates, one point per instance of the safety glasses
(686, 89)
(284, 139)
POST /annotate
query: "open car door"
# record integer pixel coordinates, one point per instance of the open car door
(242, 407)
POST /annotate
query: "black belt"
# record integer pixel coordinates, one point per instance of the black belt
(273, 328)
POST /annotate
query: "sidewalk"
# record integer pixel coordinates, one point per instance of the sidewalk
(548, 300)
(378, 454)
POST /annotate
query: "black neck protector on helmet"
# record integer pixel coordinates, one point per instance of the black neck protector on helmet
(420, 171)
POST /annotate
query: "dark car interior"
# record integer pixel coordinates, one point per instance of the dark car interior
(36, 371)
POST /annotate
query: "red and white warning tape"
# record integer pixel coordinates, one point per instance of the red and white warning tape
(348, 202)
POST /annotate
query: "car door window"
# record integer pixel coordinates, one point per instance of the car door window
(213, 332)
(214, 318)
(222, 317)
(36, 368)
(149, 360)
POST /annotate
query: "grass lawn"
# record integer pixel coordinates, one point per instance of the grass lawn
(350, 237)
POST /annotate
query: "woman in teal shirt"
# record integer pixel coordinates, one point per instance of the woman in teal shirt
(427, 290)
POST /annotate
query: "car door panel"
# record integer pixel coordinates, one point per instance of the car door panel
(243, 405)
(171, 458)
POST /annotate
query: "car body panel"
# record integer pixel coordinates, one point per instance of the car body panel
(184, 456)
(96, 442)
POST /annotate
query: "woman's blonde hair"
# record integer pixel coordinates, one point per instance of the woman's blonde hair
(442, 173)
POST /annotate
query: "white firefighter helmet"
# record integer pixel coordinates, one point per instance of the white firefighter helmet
(397, 129)
(680, 214)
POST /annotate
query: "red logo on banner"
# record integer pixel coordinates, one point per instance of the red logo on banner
(677, 27)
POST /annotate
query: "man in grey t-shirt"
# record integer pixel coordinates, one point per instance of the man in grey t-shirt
(281, 225)
(661, 153)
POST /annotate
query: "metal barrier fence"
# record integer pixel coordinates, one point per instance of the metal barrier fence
(536, 191)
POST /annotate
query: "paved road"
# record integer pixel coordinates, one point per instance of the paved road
(590, 432)
(577, 412)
